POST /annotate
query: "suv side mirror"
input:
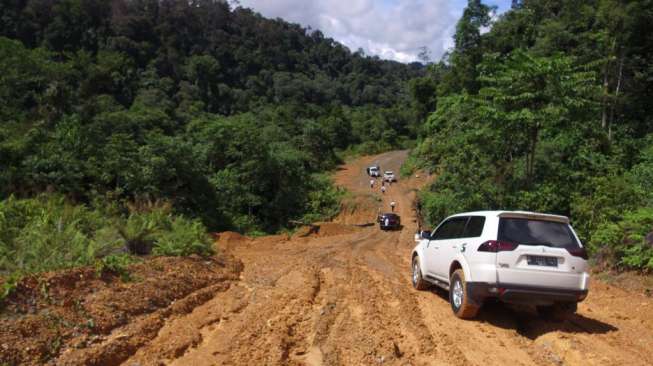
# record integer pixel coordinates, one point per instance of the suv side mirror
(426, 234)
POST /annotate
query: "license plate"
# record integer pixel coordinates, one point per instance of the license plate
(534, 260)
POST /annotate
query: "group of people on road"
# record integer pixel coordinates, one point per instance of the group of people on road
(383, 189)
(372, 182)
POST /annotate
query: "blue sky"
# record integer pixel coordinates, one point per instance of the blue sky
(391, 29)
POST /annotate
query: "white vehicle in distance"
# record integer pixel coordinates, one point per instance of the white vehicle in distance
(389, 176)
(374, 171)
(513, 256)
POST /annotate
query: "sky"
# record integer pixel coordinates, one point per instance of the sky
(390, 29)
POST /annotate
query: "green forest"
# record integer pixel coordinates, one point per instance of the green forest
(197, 112)
(548, 111)
(147, 124)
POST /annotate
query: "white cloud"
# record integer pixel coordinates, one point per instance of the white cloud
(391, 29)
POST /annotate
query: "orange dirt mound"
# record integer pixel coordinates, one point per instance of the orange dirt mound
(50, 317)
(359, 209)
(332, 229)
(324, 229)
(228, 239)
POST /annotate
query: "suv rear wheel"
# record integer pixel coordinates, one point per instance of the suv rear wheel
(458, 298)
(418, 281)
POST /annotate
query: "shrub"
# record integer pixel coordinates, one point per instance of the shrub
(409, 166)
(182, 238)
(139, 230)
(116, 264)
(625, 242)
(9, 285)
(435, 206)
(323, 199)
(47, 233)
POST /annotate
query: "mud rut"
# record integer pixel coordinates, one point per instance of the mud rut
(346, 299)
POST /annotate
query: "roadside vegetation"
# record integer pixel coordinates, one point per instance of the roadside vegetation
(47, 233)
(549, 111)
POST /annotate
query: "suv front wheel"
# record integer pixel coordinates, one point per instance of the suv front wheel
(460, 303)
(416, 277)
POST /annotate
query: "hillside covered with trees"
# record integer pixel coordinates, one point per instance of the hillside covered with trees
(549, 111)
(113, 109)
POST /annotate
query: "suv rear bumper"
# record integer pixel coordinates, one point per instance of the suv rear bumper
(390, 227)
(478, 292)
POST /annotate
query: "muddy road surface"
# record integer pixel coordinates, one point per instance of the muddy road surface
(341, 295)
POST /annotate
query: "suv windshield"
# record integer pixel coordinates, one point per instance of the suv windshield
(536, 232)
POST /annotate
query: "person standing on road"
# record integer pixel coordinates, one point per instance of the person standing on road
(372, 183)
(383, 189)
(392, 206)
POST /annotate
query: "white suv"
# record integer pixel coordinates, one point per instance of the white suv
(389, 176)
(512, 256)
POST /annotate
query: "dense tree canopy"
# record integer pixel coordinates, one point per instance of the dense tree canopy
(227, 114)
(549, 111)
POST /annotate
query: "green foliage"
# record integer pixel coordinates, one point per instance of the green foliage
(48, 233)
(183, 237)
(628, 242)
(323, 201)
(115, 264)
(409, 166)
(548, 111)
(642, 172)
(219, 111)
(468, 50)
(9, 285)
(604, 201)
(139, 231)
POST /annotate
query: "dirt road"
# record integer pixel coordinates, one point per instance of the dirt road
(342, 296)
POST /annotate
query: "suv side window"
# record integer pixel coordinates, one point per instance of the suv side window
(474, 227)
(450, 229)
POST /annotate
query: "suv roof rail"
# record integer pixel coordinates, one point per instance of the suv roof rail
(535, 216)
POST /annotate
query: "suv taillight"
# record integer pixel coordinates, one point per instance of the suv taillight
(578, 252)
(494, 246)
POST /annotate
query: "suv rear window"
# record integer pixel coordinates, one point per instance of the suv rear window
(536, 232)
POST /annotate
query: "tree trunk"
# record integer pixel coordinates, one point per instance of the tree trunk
(616, 96)
(604, 107)
(606, 86)
(530, 161)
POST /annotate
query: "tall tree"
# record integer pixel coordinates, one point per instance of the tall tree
(468, 51)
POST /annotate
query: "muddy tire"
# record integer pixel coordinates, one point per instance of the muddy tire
(416, 277)
(558, 311)
(460, 303)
